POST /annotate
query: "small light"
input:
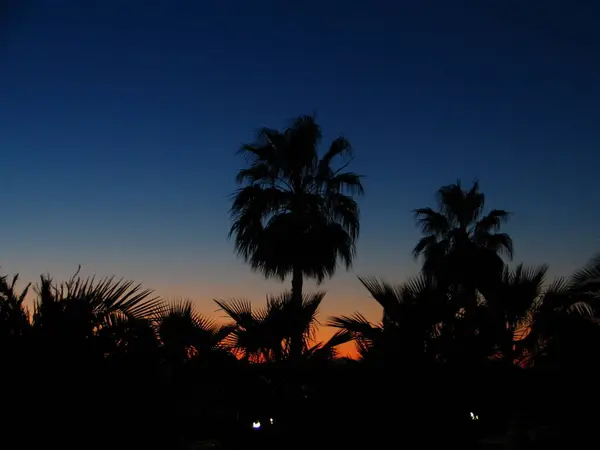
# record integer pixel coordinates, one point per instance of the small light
(271, 420)
(256, 425)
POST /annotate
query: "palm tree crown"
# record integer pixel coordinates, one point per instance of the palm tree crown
(411, 314)
(91, 316)
(295, 213)
(268, 334)
(185, 333)
(564, 329)
(458, 228)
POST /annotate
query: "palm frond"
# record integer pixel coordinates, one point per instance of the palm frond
(424, 243)
(388, 296)
(109, 294)
(257, 173)
(340, 147)
(255, 203)
(492, 221)
(103, 296)
(181, 311)
(347, 182)
(356, 324)
(222, 333)
(558, 286)
(588, 277)
(7, 290)
(582, 309)
(264, 149)
(237, 309)
(14, 317)
(497, 242)
(432, 222)
(328, 350)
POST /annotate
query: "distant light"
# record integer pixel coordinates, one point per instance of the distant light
(474, 416)
(271, 420)
(256, 425)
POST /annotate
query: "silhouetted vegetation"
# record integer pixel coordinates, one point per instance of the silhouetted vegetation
(470, 348)
(293, 215)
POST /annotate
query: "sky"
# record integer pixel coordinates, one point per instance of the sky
(120, 122)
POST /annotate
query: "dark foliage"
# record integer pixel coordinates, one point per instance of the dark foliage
(470, 348)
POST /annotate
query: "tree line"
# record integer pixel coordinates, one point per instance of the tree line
(107, 363)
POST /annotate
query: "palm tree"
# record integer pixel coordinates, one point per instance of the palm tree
(412, 314)
(459, 242)
(564, 323)
(563, 332)
(510, 305)
(14, 320)
(90, 318)
(186, 334)
(295, 214)
(266, 334)
(89, 338)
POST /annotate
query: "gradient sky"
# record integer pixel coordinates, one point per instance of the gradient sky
(119, 122)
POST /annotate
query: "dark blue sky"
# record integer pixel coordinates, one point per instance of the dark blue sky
(119, 126)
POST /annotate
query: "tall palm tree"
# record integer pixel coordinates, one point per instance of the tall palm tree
(295, 213)
(459, 241)
(266, 334)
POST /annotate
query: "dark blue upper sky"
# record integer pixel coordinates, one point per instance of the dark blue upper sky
(119, 122)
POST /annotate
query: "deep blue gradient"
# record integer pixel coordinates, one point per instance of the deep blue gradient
(119, 122)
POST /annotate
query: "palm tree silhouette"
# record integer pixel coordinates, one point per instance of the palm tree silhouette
(412, 312)
(93, 339)
(266, 334)
(14, 319)
(295, 214)
(460, 243)
(461, 249)
(90, 317)
(185, 334)
(564, 324)
(510, 306)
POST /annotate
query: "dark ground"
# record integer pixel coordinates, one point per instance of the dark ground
(336, 408)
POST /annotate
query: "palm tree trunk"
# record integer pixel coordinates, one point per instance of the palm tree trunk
(297, 282)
